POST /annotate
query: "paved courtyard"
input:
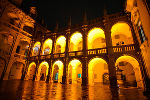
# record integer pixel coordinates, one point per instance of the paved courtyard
(28, 90)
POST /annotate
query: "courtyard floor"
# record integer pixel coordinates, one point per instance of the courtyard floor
(28, 90)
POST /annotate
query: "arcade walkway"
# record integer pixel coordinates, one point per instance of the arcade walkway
(28, 90)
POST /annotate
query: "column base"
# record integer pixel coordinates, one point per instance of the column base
(113, 82)
(147, 89)
(48, 79)
(84, 81)
(64, 80)
(33, 77)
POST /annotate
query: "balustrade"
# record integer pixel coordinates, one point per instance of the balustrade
(97, 51)
(75, 53)
(116, 49)
(123, 48)
(20, 56)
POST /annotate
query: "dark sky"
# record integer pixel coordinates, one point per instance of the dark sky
(60, 10)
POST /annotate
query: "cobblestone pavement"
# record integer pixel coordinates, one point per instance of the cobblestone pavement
(28, 90)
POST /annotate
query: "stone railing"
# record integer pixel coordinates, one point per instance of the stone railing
(20, 56)
(123, 48)
(97, 51)
(17, 29)
(75, 53)
(45, 56)
(34, 58)
(58, 55)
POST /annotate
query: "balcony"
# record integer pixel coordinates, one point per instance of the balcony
(99, 51)
(19, 57)
(76, 53)
(124, 48)
(11, 26)
(59, 55)
(45, 56)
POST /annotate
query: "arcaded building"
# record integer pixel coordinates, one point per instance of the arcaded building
(113, 49)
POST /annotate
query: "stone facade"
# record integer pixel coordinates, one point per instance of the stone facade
(76, 54)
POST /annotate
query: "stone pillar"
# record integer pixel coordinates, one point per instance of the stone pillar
(49, 77)
(84, 63)
(41, 47)
(49, 70)
(111, 60)
(36, 71)
(65, 70)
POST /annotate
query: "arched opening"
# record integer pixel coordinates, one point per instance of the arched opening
(31, 71)
(128, 72)
(22, 48)
(42, 71)
(121, 34)
(57, 71)
(98, 71)
(60, 44)
(96, 38)
(36, 49)
(75, 71)
(47, 47)
(76, 42)
(16, 71)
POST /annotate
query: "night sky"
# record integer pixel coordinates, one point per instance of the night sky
(60, 10)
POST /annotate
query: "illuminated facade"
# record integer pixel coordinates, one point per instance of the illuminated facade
(16, 30)
(101, 50)
(107, 49)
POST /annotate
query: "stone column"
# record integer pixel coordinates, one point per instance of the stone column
(84, 63)
(41, 47)
(49, 77)
(65, 70)
(49, 70)
(36, 71)
(111, 60)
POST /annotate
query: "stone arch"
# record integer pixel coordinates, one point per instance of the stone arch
(42, 71)
(76, 42)
(47, 46)
(16, 71)
(130, 71)
(60, 44)
(96, 69)
(22, 48)
(96, 38)
(121, 34)
(31, 71)
(75, 71)
(57, 71)
(36, 48)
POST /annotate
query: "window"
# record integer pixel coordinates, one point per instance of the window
(18, 49)
(141, 32)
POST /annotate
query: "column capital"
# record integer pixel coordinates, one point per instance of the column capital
(84, 27)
